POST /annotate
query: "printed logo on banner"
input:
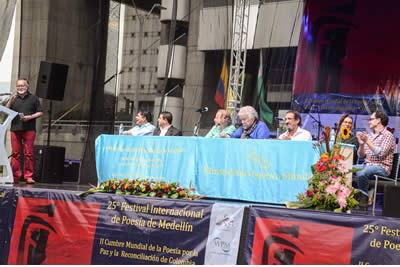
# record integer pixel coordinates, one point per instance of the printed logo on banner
(262, 161)
(291, 242)
(53, 232)
(221, 245)
(226, 223)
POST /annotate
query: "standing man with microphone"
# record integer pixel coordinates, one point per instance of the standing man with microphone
(23, 129)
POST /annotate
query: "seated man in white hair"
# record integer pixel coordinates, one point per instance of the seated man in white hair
(251, 127)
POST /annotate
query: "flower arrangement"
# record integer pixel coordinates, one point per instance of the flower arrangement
(140, 187)
(328, 188)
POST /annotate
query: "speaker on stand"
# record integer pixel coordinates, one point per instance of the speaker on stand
(48, 164)
(49, 160)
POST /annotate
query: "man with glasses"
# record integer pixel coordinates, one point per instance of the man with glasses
(377, 150)
(23, 129)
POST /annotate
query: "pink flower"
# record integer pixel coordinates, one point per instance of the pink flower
(331, 189)
(333, 178)
(309, 193)
(337, 185)
(342, 202)
(346, 191)
(340, 195)
(342, 168)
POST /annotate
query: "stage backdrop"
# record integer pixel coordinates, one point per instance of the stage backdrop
(348, 58)
(271, 171)
(284, 236)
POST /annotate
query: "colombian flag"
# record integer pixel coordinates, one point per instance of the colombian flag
(222, 86)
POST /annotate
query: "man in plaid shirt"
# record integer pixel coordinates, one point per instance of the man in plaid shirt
(377, 149)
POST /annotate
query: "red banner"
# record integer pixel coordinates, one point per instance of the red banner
(53, 232)
(291, 242)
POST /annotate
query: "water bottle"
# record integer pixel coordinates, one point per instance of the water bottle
(121, 128)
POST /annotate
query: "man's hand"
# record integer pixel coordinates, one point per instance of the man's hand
(26, 118)
(362, 137)
(224, 135)
(285, 137)
(10, 101)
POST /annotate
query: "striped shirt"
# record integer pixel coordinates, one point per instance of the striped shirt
(385, 141)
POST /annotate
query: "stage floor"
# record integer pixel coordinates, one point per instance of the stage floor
(79, 187)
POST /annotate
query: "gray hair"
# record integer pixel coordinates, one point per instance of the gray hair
(26, 81)
(249, 111)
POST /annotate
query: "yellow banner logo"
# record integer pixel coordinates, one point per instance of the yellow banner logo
(263, 162)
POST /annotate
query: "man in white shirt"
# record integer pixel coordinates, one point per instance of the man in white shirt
(294, 132)
(143, 126)
(165, 127)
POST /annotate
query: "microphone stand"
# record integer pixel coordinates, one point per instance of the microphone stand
(197, 126)
(318, 121)
(355, 120)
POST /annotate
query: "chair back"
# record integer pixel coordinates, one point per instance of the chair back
(395, 167)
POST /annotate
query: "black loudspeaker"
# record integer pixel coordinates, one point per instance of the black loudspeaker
(51, 80)
(48, 164)
(391, 200)
(71, 171)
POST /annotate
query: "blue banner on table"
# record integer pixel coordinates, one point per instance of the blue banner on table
(284, 236)
(150, 158)
(255, 170)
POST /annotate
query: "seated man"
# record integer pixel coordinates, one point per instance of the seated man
(223, 124)
(165, 127)
(294, 132)
(251, 127)
(377, 149)
(143, 126)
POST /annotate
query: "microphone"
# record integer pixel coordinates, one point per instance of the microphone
(3, 94)
(279, 119)
(202, 110)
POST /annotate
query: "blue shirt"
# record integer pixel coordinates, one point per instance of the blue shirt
(260, 132)
(146, 129)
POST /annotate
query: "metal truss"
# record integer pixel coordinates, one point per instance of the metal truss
(238, 56)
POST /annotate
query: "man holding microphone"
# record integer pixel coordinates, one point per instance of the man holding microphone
(23, 129)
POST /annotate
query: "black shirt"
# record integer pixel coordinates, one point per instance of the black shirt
(28, 105)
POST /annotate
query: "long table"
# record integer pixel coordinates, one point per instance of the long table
(272, 171)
